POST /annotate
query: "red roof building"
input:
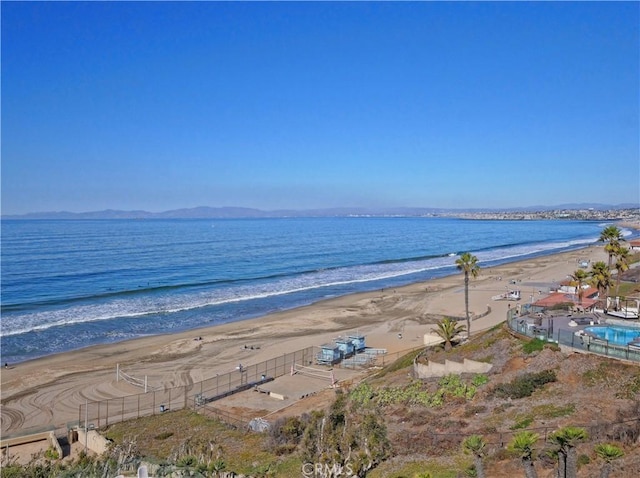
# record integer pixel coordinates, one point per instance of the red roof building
(589, 299)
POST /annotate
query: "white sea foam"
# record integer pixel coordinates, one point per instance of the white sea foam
(175, 302)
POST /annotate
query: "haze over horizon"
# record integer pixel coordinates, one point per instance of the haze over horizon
(159, 105)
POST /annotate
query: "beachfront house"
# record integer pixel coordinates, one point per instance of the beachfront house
(345, 344)
(589, 300)
(329, 354)
(358, 342)
(634, 245)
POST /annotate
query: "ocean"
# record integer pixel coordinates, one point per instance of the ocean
(69, 284)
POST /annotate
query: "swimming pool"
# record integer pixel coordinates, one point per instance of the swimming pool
(615, 335)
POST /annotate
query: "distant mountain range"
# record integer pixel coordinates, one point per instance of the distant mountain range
(241, 212)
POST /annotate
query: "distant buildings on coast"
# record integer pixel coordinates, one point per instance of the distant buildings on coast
(630, 215)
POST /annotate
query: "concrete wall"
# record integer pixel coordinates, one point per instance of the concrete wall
(53, 443)
(434, 369)
(94, 441)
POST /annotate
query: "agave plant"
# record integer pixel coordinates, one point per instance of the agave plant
(607, 453)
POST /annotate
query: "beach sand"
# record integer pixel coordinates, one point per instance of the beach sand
(49, 391)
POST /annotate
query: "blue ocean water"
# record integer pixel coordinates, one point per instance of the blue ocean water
(71, 284)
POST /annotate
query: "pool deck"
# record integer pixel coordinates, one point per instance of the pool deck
(547, 324)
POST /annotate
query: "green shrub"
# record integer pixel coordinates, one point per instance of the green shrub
(583, 460)
(51, 454)
(522, 423)
(534, 345)
(524, 385)
(163, 435)
(187, 461)
(480, 380)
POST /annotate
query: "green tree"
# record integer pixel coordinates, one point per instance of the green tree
(580, 278)
(601, 279)
(476, 446)
(566, 439)
(524, 444)
(612, 236)
(345, 437)
(447, 330)
(607, 453)
(468, 264)
(622, 255)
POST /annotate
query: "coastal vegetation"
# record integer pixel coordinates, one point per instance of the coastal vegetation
(392, 425)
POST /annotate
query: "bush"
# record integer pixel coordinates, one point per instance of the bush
(522, 423)
(287, 431)
(51, 454)
(479, 380)
(524, 385)
(535, 345)
(187, 461)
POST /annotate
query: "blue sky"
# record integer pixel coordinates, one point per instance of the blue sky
(165, 105)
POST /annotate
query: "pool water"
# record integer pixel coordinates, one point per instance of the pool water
(615, 335)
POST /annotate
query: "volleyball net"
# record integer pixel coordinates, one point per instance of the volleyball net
(130, 379)
(297, 369)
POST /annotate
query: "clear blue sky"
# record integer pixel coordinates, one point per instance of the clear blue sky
(166, 105)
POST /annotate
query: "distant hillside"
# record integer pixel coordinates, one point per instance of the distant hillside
(205, 212)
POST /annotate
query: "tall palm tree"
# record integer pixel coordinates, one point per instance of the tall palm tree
(622, 264)
(607, 453)
(447, 330)
(524, 444)
(567, 439)
(601, 279)
(476, 445)
(468, 263)
(580, 277)
(612, 235)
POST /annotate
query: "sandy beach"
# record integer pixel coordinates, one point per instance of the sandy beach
(49, 391)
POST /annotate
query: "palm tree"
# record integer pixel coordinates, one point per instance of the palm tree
(523, 443)
(447, 330)
(612, 236)
(607, 453)
(601, 279)
(567, 439)
(622, 264)
(468, 263)
(476, 445)
(579, 277)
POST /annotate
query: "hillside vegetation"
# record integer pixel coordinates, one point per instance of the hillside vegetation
(391, 425)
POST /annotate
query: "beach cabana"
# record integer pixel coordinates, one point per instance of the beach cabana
(358, 342)
(347, 349)
(329, 354)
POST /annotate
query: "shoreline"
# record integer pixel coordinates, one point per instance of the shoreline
(439, 274)
(436, 278)
(48, 390)
(34, 345)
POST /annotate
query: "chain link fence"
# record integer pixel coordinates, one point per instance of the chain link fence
(97, 414)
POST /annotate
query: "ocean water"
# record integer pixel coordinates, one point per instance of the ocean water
(71, 284)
